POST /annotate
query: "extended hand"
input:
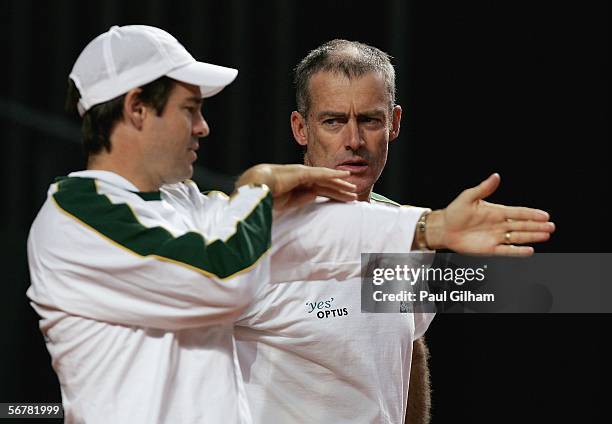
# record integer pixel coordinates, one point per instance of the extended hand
(296, 185)
(471, 225)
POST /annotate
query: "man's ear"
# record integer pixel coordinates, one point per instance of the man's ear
(134, 110)
(298, 126)
(396, 117)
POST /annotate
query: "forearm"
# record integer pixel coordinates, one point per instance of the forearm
(419, 393)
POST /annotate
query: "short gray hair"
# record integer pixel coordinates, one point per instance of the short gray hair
(351, 58)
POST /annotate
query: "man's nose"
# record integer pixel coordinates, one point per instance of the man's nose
(200, 127)
(353, 137)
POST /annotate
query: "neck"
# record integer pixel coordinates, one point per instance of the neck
(129, 171)
(365, 196)
(127, 159)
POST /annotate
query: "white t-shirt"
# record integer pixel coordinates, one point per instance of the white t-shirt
(138, 293)
(307, 352)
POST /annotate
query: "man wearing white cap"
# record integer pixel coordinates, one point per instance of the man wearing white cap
(136, 275)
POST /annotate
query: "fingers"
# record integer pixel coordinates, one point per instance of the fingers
(525, 232)
(532, 226)
(340, 195)
(290, 177)
(296, 185)
(522, 213)
(482, 190)
(510, 250)
(311, 174)
(508, 243)
(319, 172)
(524, 237)
(302, 195)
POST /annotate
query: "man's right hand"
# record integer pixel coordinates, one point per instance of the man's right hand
(296, 185)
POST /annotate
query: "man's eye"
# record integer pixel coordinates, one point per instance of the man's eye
(333, 121)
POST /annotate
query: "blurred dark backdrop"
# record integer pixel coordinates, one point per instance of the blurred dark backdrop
(518, 87)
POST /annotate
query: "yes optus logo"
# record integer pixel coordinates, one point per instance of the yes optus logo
(325, 309)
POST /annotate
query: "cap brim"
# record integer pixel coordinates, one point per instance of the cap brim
(211, 78)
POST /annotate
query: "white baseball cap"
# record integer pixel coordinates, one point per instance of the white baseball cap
(128, 57)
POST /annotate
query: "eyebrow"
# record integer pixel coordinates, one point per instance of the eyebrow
(194, 99)
(329, 113)
(373, 112)
(335, 114)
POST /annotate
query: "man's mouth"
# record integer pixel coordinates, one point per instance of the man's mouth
(193, 149)
(356, 166)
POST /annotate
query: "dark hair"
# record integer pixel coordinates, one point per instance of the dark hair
(350, 58)
(99, 121)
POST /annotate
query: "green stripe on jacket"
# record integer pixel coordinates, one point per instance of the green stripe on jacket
(79, 198)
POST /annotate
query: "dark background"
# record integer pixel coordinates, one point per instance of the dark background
(517, 87)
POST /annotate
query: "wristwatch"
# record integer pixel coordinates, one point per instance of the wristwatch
(421, 227)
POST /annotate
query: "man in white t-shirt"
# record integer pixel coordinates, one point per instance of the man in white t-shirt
(307, 353)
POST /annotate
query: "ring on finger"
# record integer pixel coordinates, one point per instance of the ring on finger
(507, 238)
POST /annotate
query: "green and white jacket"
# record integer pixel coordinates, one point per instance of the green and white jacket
(138, 293)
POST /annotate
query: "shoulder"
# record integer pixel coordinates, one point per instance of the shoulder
(74, 206)
(92, 204)
(89, 196)
(77, 194)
